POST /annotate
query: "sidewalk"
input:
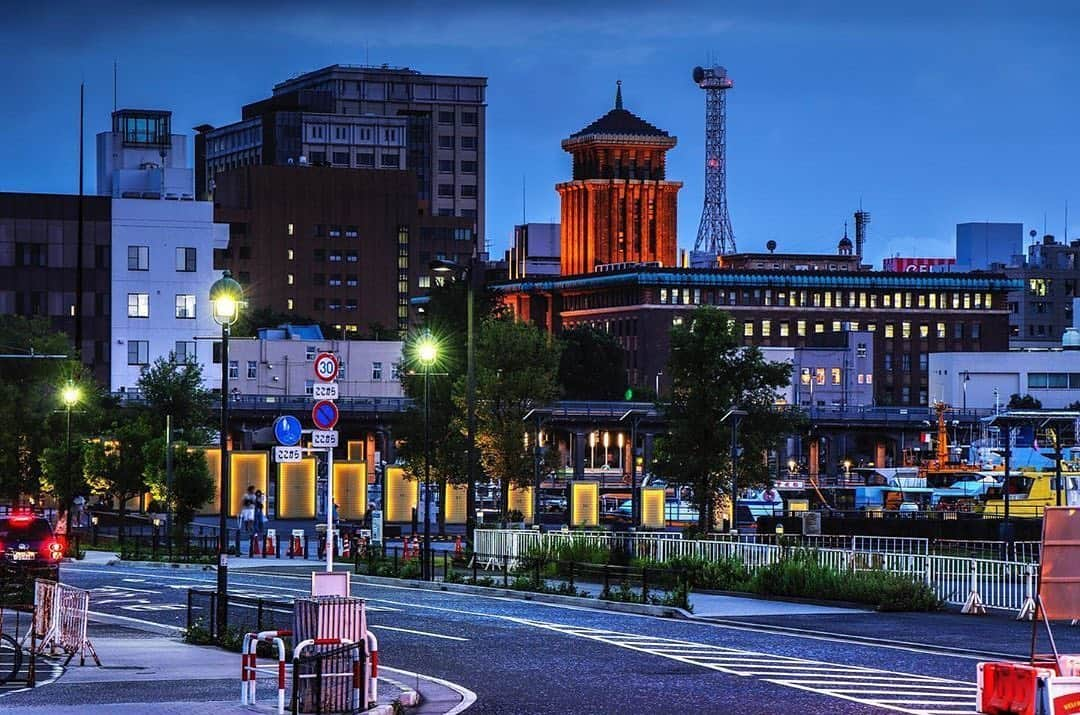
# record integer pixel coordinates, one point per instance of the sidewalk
(143, 672)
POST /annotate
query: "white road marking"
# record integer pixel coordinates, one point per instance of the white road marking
(178, 629)
(901, 692)
(468, 697)
(419, 633)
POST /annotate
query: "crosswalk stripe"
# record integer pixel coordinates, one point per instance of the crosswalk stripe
(901, 692)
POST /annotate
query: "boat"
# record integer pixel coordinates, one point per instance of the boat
(1029, 493)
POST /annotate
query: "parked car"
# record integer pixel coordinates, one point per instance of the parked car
(27, 543)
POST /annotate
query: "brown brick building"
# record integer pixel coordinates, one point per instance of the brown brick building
(619, 208)
(909, 315)
(347, 247)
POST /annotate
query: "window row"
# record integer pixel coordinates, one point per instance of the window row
(468, 191)
(446, 141)
(350, 134)
(817, 376)
(139, 259)
(447, 117)
(906, 330)
(1053, 380)
(138, 305)
(446, 166)
(827, 299)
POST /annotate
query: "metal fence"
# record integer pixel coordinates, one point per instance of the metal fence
(246, 614)
(1007, 584)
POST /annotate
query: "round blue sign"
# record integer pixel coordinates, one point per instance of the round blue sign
(287, 430)
(324, 414)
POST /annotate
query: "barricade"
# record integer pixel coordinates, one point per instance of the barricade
(321, 619)
(372, 690)
(249, 668)
(60, 620)
(270, 543)
(298, 545)
(318, 697)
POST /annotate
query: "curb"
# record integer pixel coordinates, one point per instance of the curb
(409, 698)
(157, 564)
(788, 599)
(595, 604)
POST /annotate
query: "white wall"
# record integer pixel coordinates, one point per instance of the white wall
(283, 367)
(1007, 372)
(163, 226)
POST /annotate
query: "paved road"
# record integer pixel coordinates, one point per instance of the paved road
(525, 657)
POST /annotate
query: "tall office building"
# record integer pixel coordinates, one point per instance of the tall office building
(535, 251)
(370, 118)
(1043, 308)
(979, 245)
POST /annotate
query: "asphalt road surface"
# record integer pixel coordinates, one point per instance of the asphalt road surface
(524, 657)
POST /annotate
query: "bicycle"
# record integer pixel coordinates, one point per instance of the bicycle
(11, 656)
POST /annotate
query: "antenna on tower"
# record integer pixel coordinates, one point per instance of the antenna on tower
(715, 236)
(862, 220)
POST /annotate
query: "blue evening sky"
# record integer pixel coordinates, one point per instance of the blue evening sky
(930, 113)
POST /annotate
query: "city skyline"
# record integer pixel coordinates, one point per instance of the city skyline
(929, 118)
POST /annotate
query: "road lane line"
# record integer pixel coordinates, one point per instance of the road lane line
(419, 633)
(106, 616)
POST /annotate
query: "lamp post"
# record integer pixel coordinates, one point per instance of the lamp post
(225, 302)
(444, 266)
(426, 352)
(737, 416)
(71, 394)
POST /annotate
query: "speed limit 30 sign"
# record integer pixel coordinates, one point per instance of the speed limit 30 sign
(326, 367)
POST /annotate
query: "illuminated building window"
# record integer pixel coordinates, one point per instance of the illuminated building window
(748, 329)
(941, 331)
(922, 300)
(785, 328)
(933, 300)
(886, 300)
(819, 327)
(290, 279)
(836, 376)
(967, 301)
(766, 328)
(836, 326)
(800, 328)
(924, 331)
(289, 304)
(905, 330)
(889, 329)
(819, 375)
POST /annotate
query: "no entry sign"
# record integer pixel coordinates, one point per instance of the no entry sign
(324, 414)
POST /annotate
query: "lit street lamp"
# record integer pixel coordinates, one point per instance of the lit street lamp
(226, 299)
(71, 394)
(427, 351)
(444, 266)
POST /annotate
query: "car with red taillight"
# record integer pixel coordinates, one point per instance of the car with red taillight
(27, 542)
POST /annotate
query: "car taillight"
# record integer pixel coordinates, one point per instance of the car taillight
(56, 550)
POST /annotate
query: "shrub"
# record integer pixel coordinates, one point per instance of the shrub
(724, 575)
(800, 574)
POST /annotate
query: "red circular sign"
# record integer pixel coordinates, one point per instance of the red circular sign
(324, 414)
(326, 367)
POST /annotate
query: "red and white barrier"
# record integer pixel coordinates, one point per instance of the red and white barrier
(373, 669)
(1021, 689)
(357, 665)
(249, 669)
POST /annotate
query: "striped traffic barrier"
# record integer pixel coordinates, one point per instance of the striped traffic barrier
(249, 667)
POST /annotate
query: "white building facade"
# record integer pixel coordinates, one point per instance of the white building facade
(268, 368)
(162, 269)
(987, 380)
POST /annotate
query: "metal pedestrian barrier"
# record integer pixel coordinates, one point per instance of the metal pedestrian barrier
(60, 620)
(249, 668)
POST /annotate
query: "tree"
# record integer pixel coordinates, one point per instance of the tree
(115, 464)
(1025, 402)
(712, 372)
(192, 484)
(29, 400)
(172, 388)
(516, 371)
(592, 365)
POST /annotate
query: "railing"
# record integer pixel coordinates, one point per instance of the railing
(1000, 584)
(245, 615)
(297, 402)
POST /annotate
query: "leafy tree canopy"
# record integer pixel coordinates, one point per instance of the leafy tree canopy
(592, 365)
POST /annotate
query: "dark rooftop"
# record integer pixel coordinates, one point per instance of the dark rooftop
(620, 121)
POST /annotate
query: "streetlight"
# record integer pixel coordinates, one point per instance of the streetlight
(466, 271)
(847, 470)
(738, 415)
(226, 299)
(71, 394)
(427, 351)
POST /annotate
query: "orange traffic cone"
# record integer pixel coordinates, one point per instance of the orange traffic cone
(406, 552)
(268, 546)
(459, 550)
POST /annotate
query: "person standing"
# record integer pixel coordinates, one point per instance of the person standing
(260, 512)
(247, 509)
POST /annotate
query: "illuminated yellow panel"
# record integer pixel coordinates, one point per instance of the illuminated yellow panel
(585, 504)
(213, 463)
(402, 495)
(296, 489)
(350, 489)
(652, 508)
(455, 503)
(355, 450)
(246, 468)
(521, 499)
(798, 505)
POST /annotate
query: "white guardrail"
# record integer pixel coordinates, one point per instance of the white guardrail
(974, 583)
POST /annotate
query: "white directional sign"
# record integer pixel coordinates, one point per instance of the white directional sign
(324, 391)
(288, 454)
(324, 438)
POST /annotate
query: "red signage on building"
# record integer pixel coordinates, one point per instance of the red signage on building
(915, 265)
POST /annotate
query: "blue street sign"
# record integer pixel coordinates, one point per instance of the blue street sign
(324, 414)
(287, 430)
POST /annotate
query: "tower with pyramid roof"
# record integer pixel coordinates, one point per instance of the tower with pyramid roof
(619, 207)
